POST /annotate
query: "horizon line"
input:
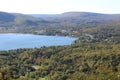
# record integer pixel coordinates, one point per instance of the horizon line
(61, 12)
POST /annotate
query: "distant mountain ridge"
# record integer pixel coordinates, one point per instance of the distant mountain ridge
(76, 14)
(6, 17)
(68, 23)
(43, 15)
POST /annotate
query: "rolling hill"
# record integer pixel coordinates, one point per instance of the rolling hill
(68, 23)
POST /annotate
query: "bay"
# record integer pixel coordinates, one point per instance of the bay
(15, 41)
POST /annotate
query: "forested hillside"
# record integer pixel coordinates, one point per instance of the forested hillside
(66, 24)
(81, 61)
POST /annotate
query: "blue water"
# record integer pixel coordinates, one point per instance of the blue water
(15, 41)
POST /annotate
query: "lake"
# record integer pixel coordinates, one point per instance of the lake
(15, 41)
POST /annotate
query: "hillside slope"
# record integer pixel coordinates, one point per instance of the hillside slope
(66, 24)
(85, 61)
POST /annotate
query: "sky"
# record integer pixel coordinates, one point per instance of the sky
(60, 6)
